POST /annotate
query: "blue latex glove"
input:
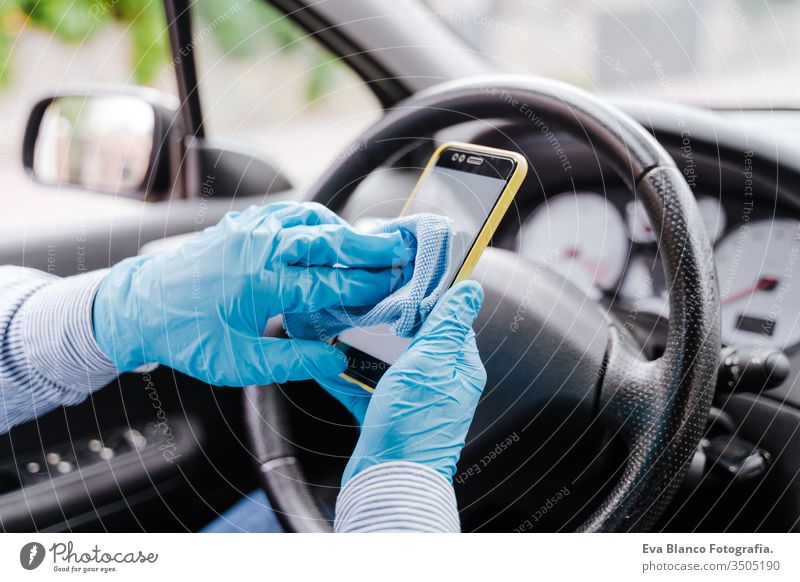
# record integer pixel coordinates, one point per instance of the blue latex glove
(202, 308)
(423, 406)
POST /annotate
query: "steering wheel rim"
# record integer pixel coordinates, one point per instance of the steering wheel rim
(658, 407)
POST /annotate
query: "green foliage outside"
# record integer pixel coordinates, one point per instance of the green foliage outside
(241, 29)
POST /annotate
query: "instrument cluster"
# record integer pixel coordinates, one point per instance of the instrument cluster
(607, 246)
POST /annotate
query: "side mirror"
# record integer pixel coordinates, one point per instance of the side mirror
(117, 143)
(130, 142)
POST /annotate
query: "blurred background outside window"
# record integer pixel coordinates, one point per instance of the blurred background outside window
(262, 80)
(712, 53)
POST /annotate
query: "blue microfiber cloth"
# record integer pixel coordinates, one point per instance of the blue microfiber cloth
(405, 309)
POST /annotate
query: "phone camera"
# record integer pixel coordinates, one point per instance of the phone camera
(461, 157)
(455, 157)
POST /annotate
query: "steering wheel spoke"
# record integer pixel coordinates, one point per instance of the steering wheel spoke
(542, 340)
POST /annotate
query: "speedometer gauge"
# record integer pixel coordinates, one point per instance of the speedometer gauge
(579, 234)
(758, 265)
(641, 231)
(713, 216)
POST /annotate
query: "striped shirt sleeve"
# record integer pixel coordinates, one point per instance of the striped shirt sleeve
(399, 496)
(48, 353)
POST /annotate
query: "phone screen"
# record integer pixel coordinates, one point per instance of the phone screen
(463, 185)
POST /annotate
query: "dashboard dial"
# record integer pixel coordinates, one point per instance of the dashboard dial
(713, 217)
(579, 234)
(640, 230)
(758, 266)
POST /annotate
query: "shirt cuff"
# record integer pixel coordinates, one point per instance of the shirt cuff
(57, 330)
(398, 496)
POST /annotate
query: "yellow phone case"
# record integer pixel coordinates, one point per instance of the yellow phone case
(492, 221)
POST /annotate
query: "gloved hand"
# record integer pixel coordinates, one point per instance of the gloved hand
(423, 406)
(202, 308)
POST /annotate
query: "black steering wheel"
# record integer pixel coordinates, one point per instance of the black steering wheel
(565, 349)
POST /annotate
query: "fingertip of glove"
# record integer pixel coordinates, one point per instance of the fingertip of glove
(306, 359)
(340, 360)
(458, 308)
(402, 276)
(405, 246)
(410, 242)
(332, 361)
(467, 294)
(476, 292)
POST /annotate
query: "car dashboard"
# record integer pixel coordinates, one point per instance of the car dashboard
(604, 243)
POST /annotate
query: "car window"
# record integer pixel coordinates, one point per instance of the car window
(729, 54)
(262, 79)
(47, 47)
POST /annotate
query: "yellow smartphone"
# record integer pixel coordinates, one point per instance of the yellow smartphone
(474, 186)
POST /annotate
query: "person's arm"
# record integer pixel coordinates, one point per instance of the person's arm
(201, 308)
(400, 475)
(397, 496)
(48, 353)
